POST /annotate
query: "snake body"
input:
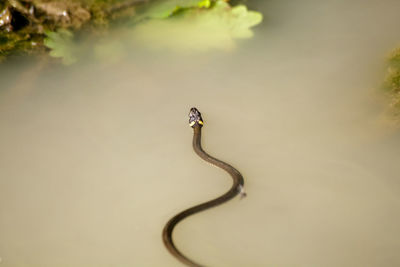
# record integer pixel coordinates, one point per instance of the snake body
(196, 122)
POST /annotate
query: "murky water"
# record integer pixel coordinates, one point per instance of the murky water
(96, 158)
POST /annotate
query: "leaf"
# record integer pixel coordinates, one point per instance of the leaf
(204, 4)
(216, 27)
(61, 45)
(162, 9)
(242, 20)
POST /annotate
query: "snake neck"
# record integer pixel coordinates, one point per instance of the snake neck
(237, 177)
(197, 137)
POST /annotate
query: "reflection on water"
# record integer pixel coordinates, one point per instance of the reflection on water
(96, 158)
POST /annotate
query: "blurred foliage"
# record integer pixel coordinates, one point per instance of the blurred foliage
(161, 9)
(56, 25)
(392, 81)
(214, 27)
(21, 43)
(24, 23)
(62, 45)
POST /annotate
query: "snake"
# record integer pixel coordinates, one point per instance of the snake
(196, 122)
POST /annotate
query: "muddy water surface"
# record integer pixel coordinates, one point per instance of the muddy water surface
(96, 158)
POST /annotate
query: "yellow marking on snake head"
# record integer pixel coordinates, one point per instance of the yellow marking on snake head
(200, 122)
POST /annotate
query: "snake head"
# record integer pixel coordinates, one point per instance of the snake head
(195, 117)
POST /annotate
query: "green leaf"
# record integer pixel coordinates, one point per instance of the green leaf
(216, 27)
(204, 4)
(61, 45)
(162, 9)
(242, 20)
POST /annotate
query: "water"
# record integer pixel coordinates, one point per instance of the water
(96, 158)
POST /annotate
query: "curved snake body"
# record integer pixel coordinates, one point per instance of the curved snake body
(196, 122)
